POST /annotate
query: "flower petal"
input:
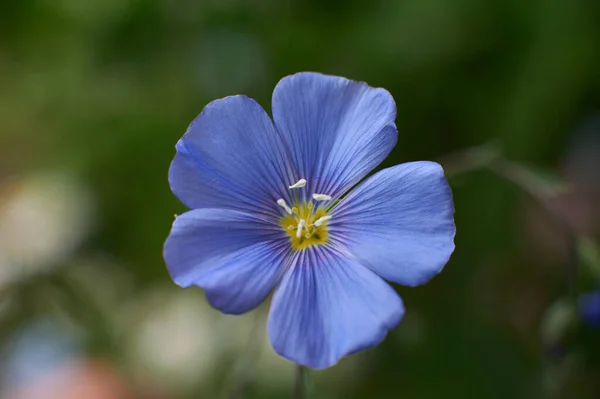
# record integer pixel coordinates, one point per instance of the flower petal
(235, 257)
(231, 157)
(329, 306)
(399, 222)
(338, 130)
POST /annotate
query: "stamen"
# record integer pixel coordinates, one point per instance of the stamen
(321, 197)
(281, 203)
(300, 226)
(307, 235)
(290, 227)
(299, 184)
(295, 210)
(322, 220)
(310, 205)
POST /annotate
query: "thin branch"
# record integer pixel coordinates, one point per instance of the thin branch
(488, 156)
(545, 197)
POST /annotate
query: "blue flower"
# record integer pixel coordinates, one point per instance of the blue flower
(274, 208)
(589, 306)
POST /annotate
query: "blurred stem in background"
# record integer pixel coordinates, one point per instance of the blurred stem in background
(544, 194)
(560, 319)
(540, 188)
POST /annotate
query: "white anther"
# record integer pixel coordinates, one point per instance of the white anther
(322, 220)
(300, 226)
(299, 184)
(321, 197)
(281, 203)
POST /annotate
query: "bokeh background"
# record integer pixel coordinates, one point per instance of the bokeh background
(94, 95)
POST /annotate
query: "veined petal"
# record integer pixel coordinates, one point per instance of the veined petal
(237, 258)
(231, 157)
(337, 130)
(328, 306)
(399, 222)
(242, 283)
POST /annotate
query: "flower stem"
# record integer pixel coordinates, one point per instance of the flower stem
(300, 382)
(242, 373)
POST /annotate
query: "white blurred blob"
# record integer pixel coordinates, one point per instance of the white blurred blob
(247, 342)
(176, 342)
(172, 338)
(219, 56)
(258, 363)
(43, 218)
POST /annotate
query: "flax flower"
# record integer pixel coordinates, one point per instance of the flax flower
(274, 207)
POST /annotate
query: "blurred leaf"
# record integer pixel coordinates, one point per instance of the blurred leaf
(558, 322)
(589, 254)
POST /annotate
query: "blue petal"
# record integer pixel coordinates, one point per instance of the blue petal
(328, 306)
(399, 222)
(338, 130)
(231, 157)
(235, 257)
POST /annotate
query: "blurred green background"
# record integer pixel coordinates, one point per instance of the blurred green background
(94, 95)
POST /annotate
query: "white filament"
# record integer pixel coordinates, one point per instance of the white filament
(321, 197)
(281, 203)
(300, 227)
(299, 184)
(322, 220)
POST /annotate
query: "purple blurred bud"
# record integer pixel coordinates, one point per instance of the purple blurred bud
(589, 307)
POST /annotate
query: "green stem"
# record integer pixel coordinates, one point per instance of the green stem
(243, 371)
(300, 382)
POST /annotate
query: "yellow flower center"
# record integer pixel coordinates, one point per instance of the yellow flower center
(305, 223)
(306, 226)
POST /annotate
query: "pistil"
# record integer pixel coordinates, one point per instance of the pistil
(300, 227)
